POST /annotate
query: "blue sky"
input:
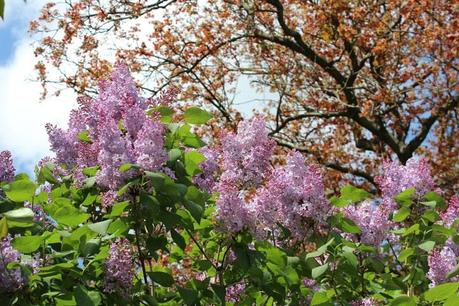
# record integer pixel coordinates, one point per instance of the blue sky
(22, 115)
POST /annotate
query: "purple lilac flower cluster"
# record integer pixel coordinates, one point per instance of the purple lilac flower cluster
(6, 167)
(397, 178)
(109, 131)
(452, 211)
(119, 268)
(441, 261)
(210, 168)
(10, 279)
(293, 196)
(246, 154)
(234, 292)
(372, 220)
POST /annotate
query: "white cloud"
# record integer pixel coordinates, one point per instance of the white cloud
(22, 115)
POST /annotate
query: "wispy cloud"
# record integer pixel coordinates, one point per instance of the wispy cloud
(22, 115)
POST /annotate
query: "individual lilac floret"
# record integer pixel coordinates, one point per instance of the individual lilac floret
(233, 214)
(397, 178)
(246, 154)
(6, 167)
(293, 197)
(440, 263)
(10, 279)
(234, 292)
(210, 168)
(452, 212)
(365, 302)
(372, 220)
(119, 269)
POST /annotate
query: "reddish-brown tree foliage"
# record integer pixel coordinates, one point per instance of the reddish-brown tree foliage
(353, 82)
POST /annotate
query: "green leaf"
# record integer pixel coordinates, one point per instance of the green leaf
(427, 245)
(189, 296)
(441, 292)
(162, 278)
(65, 214)
(126, 167)
(27, 244)
(401, 214)
(435, 197)
(100, 227)
(188, 138)
(319, 297)
(403, 300)
(21, 190)
(84, 137)
(452, 301)
(405, 254)
(3, 228)
(118, 209)
(349, 195)
(320, 250)
(157, 179)
(414, 229)
(178, 239)
(405, 197)
(195, 209)
(195, 115)
(165, 112)
(85, 297)
(192, 161)
(23, 215)
(318, 271)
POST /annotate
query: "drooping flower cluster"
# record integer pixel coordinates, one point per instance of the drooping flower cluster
(6, 167)
(207, 179)
(10, 279)
(119, 268)
(246, 154)
(293, 197)
(397, 178)
(110, 131)
(440, 263)
(245, 159)
(452, 211)
(372, 220)
(234, 292)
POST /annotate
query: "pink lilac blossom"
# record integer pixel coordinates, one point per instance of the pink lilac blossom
(452, 211)
(6, 167)
(149, 146)
(440, 263)
(246, 154)
(10, 279)
(397, 178)
(109, 131)
(210, 168)
(234, 292)
(365, 302)
(119, 268)
(233, 214)
(294, 196)
(109, 198)
(372, 220)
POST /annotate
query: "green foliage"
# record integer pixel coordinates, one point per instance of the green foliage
(182, 257)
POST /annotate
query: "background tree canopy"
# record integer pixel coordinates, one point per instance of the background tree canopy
(354, 82)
